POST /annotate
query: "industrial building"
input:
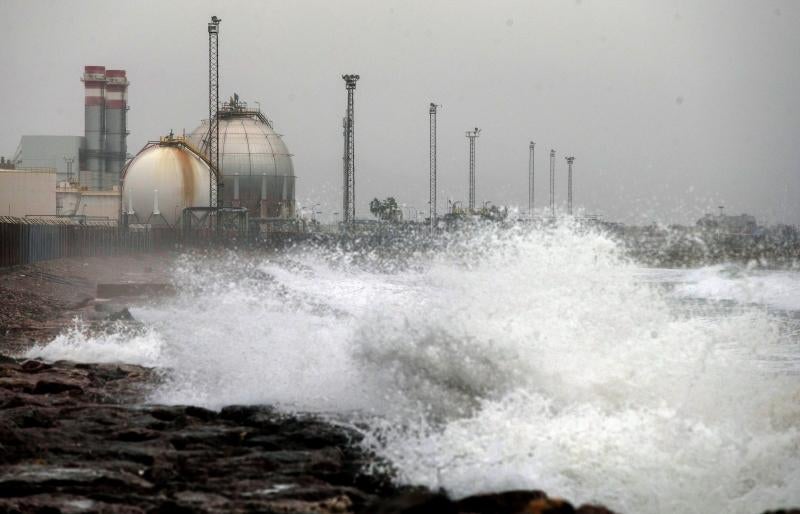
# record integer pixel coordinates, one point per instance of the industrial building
(95, 159)
(255, 163)
(36, 192)
(73, 176)
(61, 153)
(86, 204)
(28, 192)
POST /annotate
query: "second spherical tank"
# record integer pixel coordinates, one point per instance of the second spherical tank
(254, 157)
(161, 181)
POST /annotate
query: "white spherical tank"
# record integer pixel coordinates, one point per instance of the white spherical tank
(256, 165)
(161, 181)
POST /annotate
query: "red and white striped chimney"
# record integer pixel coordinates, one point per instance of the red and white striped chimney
(116, 131)
(94, 83)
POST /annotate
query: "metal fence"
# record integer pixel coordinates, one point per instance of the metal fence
(24, 241)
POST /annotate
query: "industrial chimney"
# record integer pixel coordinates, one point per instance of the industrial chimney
(94, 83)
(116, 129)
(105, 128)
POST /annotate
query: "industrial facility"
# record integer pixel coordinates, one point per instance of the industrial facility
(73, 176)
(232, 175)
(96, 158)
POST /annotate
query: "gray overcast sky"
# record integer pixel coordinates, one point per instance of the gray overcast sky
(670, 107)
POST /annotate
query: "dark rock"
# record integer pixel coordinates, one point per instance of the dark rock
(242, 414)
(510, 501)
(38, 478)
(413, 502)
(76, 437)
(57, 386)
(167, 413)
(201, 413)
(136, 435)
(594, 509)
(32, 417)
(34, 366)
(418, 501)
(13, 443)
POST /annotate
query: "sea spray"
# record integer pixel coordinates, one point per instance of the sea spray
(496, 359)
(115, 342)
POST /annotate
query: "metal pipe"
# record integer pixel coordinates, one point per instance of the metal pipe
(553, 183)
(570, 160)
(156, 212)
(131, 212)
(263, 204)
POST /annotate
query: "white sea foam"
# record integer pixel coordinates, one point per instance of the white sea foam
(507, 359)
(777, 289)
(116, 344)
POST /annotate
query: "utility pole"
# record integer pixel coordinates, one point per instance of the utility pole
(570, 160)
(472, 135)
(530, 179)
(553, 183)
(349, 194)
(215, 184)
(432, 199)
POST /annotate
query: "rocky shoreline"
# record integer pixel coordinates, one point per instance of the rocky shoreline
(80, 437)
(76, 438)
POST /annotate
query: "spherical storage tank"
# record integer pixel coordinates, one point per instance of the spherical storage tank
(253, 155)
(162, 180)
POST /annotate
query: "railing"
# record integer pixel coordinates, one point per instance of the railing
(26, 241)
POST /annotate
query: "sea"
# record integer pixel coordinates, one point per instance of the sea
(498, 359)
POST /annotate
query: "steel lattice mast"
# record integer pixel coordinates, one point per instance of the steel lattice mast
(215, 184)
(472, 135)
(530, 178)
(570, 160)
(349, 196)
(344, 168)
(553, 183)
(432, 199)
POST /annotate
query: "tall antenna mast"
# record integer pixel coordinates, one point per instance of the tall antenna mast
(530, 179)
(570, 160)
(349, 196)
(553, 183)
(472, 135)
(344, 168)
(215, 184)
(432, 200)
